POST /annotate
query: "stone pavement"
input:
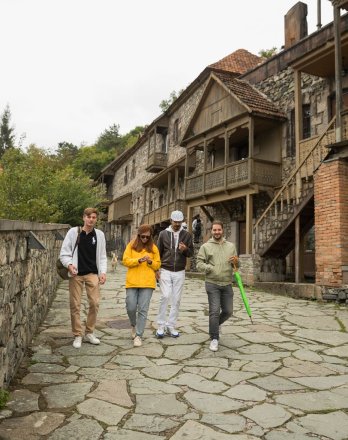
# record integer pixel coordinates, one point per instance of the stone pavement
(285, 377)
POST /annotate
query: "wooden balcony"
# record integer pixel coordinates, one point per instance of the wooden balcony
(156, 162)
(162, 214)
(120, 210)
(235, 175)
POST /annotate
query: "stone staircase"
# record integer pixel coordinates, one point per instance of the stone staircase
(275, 229)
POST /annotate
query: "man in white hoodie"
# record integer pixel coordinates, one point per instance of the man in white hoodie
(215, 258)
(175, 246)
(83, 253)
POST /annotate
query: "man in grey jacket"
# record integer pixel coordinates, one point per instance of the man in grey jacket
(215, 258)
(83, 253)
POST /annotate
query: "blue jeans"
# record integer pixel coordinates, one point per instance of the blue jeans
(138, 300)
(219, 298)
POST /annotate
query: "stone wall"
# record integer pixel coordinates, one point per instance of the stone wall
(28, 282)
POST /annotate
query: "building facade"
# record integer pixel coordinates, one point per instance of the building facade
(261, 145)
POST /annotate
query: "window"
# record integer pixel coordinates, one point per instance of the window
(176, 131)
(306, 128)
(165, 142)
(160, 200)
(125, 179)
(133, 172)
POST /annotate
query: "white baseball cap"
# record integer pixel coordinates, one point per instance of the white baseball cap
(177, 216)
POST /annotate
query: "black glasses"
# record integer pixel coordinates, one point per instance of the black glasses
(147, 237)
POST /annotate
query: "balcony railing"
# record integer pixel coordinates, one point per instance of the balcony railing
(234, 175)
(162, 213)
(156, 162)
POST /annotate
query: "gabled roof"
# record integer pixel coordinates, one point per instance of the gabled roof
(237, 62)
(249, 96)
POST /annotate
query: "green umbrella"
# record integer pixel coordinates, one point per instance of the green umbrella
(242, 292)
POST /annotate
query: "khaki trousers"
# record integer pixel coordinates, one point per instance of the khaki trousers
(91, 282)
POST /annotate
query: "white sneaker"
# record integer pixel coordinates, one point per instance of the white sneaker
(77, 342)
(160, 332)
(172, 332)
(214, 345)
(133, 332)
(92, 339)
(137, 341)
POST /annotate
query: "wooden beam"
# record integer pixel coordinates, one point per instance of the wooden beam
(338, 72)
(176, 183)
(206, 212)
(251, 137)
(297, 250)
(298, 113)
(249, 224)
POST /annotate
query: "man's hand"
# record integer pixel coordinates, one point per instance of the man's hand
(73, 270)
(182, 246)
(233, 260)
(102, 278)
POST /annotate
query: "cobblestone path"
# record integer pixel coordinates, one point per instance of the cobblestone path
(285, 377)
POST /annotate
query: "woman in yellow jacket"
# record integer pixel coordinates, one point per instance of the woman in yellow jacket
(143, 260)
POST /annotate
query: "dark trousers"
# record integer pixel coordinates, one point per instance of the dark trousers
(220, 300)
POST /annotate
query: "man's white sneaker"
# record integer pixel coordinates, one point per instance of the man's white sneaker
(137, 341)
(133, 332)
(172, 332)
(214, 345)
(160, 332)
(77, 342)
(92, 339)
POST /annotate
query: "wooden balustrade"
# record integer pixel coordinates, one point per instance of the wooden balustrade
(234, 175)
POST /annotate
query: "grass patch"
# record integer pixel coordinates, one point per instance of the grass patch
(342, 326)
(4, 395)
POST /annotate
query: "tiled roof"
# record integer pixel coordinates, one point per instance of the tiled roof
(237, 62)
(250, 96)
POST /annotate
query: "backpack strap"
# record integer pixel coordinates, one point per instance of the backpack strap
(77, 239)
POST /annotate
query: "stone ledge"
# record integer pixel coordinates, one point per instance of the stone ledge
(19, 225)
(307, 291)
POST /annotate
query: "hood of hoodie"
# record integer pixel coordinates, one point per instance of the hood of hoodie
(212, 240)
(170, 229)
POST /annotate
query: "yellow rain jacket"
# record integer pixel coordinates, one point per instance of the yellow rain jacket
(141, 274)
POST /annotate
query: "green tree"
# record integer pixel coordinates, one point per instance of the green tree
(66, 152)
(130, 138)
(33, 187)
(7, 136)
(166, 103)
(268, 53)
(90, 161)
(110, 140)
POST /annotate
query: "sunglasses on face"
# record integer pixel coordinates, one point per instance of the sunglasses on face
(147, 237)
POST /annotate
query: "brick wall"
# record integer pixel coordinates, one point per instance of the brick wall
(331, 222)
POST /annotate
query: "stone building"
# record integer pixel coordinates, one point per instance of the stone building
(261, 145)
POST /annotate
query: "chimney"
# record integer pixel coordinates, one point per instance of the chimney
(295, 24)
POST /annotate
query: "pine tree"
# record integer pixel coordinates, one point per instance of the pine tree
(7, 136)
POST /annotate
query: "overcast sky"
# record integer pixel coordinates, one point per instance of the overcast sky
(72, 68)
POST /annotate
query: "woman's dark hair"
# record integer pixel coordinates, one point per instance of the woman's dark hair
(138, 245)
